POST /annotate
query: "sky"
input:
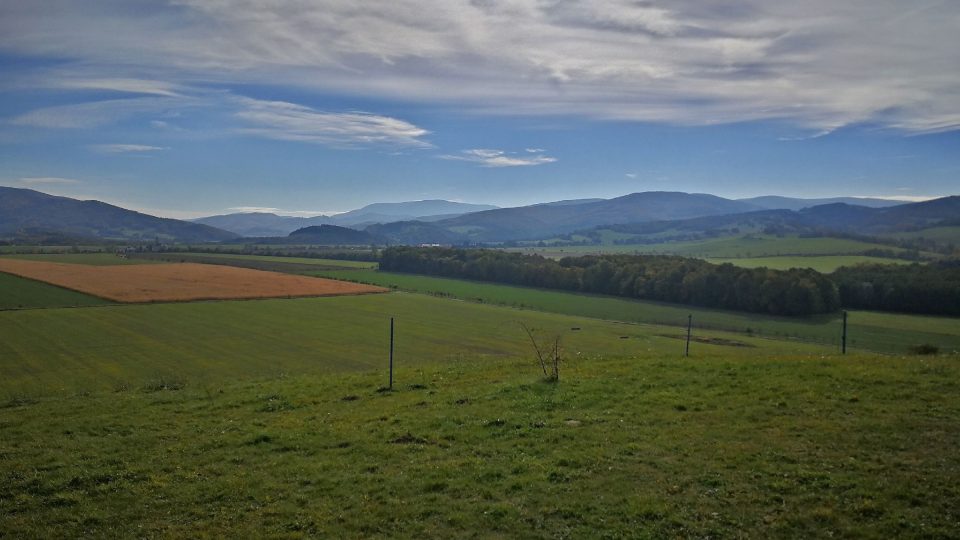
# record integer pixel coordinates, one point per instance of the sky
(187, 108)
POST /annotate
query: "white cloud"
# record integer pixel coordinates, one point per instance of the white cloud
(292, 122)
(96, 113)
(47, 180)
(819, 64)
(126, 148)
(499, 158)
(631, 175)
(134, 86)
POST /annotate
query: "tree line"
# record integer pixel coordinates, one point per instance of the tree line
(932, 288)
(649, 277)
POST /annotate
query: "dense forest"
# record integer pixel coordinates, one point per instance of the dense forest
(664, 278)
(932, 288)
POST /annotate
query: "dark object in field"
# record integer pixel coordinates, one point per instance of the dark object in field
(710, 340)
(925, 349)
(350, 398)
(409, 438)
(575, 328)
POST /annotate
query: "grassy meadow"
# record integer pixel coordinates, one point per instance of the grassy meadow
(269, 418)
(824, 264)
(52, 351)
(730, 247)
(21, 293)
(882, 332)
(94, 259)
(649, 445)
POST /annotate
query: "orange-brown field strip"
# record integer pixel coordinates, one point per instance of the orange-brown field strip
(179, 282)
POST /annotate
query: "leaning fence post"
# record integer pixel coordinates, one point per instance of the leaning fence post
(686, 351)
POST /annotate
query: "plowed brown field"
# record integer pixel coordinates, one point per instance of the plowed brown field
(179, 282)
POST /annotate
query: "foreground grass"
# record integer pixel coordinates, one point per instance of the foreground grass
(22, 293)
(801, 446)
(50, 351)
(883, 332)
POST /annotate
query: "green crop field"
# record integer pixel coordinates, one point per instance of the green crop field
(268, 418)
(22, 293)
(96, 259)
(333, 263)
(647, 446)
(884, 332)
(820, 263)
(727, 247)
(56, 350)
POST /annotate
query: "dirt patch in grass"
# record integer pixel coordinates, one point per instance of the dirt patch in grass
(179, 282)
(710, 340)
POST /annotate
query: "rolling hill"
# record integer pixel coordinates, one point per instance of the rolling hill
(266, 224)
(544, 220)
(773, 202)
(25, 213)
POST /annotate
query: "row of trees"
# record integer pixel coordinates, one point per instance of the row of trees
(664, 278)
(932, 288)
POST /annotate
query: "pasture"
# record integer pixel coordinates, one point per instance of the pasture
(93, 259)
(882, 332)
(821, 263)
(127, 346)
(747, 246)
(177, 282)
(651, 445)
(21, 293)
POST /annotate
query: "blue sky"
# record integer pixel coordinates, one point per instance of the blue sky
(191, 107)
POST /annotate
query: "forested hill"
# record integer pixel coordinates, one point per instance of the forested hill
(28, 210)
(663, 278)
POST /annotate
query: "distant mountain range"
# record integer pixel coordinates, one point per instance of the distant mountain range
(26, 214)
(773, 202)
(266, 224)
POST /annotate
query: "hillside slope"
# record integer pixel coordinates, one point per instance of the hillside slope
(28, 210)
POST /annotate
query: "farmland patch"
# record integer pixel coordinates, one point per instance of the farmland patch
(179, 282)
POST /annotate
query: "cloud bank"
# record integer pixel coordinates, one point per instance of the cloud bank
(820, 64)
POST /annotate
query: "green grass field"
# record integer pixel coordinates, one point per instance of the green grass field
(22, 293)
(650, 446)
(76, 350)
(821, 263)
(727, 247)
(336, 263)
(95, 259)
(883, 332)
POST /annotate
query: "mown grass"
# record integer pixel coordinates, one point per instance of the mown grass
(22, 293)
(337, 263)
(52, 351)
(727, 247)
(94, 259)
(645, 446)
(821, 263)
(883, 332)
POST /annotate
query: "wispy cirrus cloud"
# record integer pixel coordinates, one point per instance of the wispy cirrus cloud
(126, 148)
(133, 86)
(499, 158)
(96, 113)
(291, 122)
(816, 64)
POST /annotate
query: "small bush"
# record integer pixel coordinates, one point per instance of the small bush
(925, 349)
